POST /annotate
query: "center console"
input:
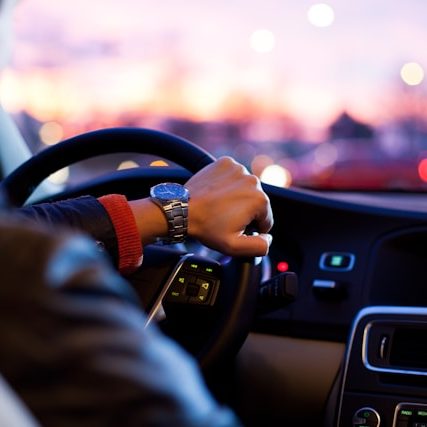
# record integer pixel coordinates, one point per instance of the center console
(384, 381)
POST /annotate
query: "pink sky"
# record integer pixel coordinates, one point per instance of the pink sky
(193, 58)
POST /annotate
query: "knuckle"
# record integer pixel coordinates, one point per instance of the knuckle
(262, 199)
(253, 180)
(266, 199)
(228, 165)
(226, 161)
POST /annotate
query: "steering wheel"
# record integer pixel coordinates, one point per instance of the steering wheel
(213, 331)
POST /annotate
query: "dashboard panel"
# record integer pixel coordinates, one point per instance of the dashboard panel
(386, 247)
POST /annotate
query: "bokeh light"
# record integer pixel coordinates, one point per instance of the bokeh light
(159, 163)
(422, 169)
(259, 163)
(326, 154)
(51, 133)
(321, 15)
(276, 175)
(263, 41)
(127, 164)
(412, 73)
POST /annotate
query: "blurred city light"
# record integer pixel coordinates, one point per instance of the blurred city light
(51, 133)
(321, 15)
(412, 73)
(220, 87)
(326, 154)
(276, 175)
(263, 41)
(60, 177)
(259, 163)
(127, 164)
(11, 93)
(422, 169)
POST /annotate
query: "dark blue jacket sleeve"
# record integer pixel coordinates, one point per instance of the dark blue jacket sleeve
(84, 214)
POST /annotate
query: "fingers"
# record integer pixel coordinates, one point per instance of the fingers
(264, 215)
(254, 245)
(225, 199)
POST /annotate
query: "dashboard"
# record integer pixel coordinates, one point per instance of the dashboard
(347, 256)
(361, 264)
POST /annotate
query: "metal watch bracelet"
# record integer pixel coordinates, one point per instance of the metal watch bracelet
(177, 216)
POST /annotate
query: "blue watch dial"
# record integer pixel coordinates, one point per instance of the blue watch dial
(169, 191)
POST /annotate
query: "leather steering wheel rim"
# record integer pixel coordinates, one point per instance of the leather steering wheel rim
(20, 184)
(234, 321)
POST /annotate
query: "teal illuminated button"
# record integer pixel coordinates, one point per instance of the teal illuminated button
(337, 261)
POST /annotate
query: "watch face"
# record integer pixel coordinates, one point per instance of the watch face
(169, 191)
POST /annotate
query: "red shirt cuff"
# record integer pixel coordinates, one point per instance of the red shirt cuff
(128, 239)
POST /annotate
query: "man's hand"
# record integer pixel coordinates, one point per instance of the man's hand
(224, 199)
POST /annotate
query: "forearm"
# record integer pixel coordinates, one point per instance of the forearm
(122, 227)
(84, 214)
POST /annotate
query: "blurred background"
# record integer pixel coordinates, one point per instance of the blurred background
(321, 95)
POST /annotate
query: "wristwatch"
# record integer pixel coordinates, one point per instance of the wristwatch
(173, 199)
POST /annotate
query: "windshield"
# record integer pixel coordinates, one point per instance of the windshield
(322, 95)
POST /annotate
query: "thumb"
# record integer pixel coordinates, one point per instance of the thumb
(253, 245)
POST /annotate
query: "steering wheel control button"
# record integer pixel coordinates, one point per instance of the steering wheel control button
(197, 283)
(202, 295)
(366, 417)
(337, 261)
(192, 290)
(177, 292)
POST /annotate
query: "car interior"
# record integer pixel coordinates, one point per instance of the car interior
(330, 328)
